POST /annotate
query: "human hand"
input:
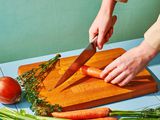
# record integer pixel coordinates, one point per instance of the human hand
(103, 28)
(103, 23)
(122, 70)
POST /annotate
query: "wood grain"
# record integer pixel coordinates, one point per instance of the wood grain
(82, 91)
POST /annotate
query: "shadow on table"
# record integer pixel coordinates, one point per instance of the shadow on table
(23, 104)
(10, 106)
(155, 61)
(154, 76)
(137, 103)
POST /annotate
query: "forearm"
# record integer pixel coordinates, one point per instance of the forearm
(107, 7)
(152, 36)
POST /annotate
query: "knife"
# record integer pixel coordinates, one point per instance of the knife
(86, 54)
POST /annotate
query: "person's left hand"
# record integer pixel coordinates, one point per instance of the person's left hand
(124, 69)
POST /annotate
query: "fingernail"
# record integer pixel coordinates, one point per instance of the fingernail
(106, 80)
(113, 82)
(102, 75)
(99, 47)
(121, 85)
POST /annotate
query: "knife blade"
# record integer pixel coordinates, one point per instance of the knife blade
(86, 54)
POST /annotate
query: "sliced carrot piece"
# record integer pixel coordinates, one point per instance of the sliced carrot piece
(91, 71)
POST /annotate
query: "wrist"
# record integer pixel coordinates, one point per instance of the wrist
(147, 50)
(107, 7)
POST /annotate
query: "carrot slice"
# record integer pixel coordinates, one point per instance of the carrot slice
(91, 71)
(83, 114)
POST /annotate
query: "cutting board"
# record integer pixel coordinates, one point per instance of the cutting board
(82, 91)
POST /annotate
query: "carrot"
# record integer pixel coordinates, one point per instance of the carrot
(105, 118)
(91, 71)
(83, 114)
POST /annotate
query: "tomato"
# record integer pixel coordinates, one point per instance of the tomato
(10, 90)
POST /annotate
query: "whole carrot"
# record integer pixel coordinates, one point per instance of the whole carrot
(91, 71)
(105, 118)
(83, 114)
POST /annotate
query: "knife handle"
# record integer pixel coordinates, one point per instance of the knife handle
(91, 71)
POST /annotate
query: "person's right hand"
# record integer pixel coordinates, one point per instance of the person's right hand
(103, 24)
(103, 28)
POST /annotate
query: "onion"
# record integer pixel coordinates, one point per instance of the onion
(10, 90)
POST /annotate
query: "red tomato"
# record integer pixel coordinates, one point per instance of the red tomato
(10, 90)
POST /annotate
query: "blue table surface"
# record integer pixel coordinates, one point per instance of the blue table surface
(150, 100)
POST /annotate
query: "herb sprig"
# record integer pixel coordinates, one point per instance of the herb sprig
(9, 114)
(32, 80)
(145, 114)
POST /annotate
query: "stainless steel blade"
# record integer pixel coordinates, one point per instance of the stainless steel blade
(79, 62)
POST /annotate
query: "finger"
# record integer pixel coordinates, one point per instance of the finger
(114, 19)
(102, 33)
(110, 32)
(92, 34)
(114, 74)
(126, 80)
(108, 35)
(106, 71)
(119, 78)
(110, 67)
(100, 41)
(106, 39)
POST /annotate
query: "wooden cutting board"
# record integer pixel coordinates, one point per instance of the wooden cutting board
(83, 91)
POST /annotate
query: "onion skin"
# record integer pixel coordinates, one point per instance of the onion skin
(10, 90)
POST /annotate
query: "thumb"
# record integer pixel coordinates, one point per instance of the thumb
(92, 34)
(114, 19)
